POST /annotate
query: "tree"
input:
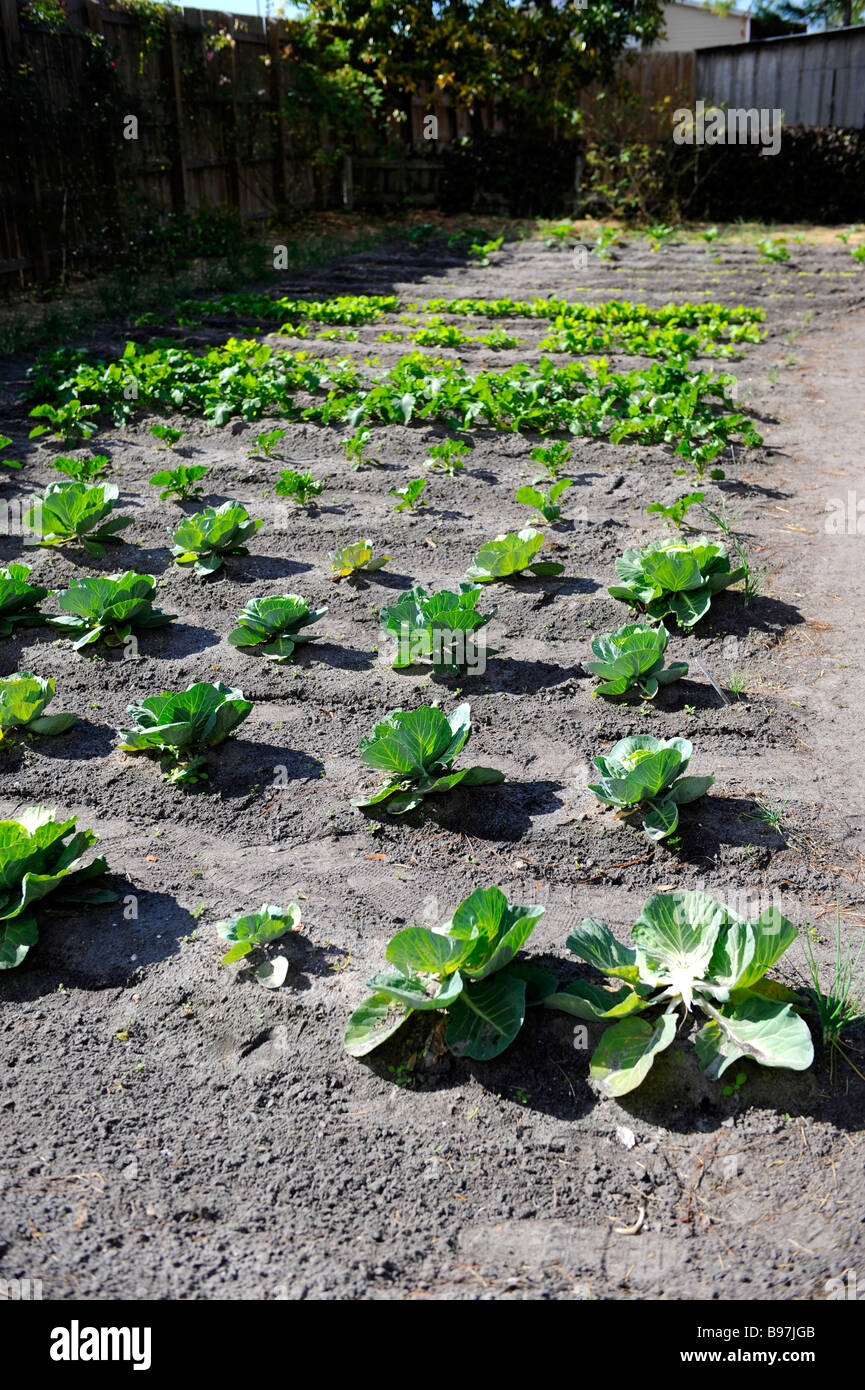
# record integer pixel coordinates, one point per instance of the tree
(825, 14)
(530, 57)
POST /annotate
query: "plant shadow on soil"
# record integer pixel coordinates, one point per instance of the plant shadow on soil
(540, 1067)
(509, 674)
(97, 948)
(502, 811)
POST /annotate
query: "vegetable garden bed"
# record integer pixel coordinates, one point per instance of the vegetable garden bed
(205, 1118)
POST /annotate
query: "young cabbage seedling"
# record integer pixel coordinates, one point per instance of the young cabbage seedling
(447, 457)
(552, 457)
(179, 727)
(631, 661)
(23, 699)
(355, 448)
(351, 559)
(43, 868)
(645, 774)
(274, 625)
(167, 435)
(416, 749)
(545, 503)
(108, 607)
(410, 495)
(267, 442)
(69, 422)
(82, 470)
(180, 482)
(677, 511)
(435, 627)
(511, 554)
(302, 488)
(254, 932)
(689, 951)
(71, 512)
(19, 601)
(675, 576)
(205, 538)
(465, 968)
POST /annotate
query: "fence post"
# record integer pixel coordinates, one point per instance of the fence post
(179, 180)
(11, 32)
(347, 183)
(280, 164)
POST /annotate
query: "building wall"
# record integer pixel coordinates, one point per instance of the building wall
(691, 26)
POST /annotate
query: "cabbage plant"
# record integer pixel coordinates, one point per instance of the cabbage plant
(180, 482)
(254, 932)
(205, 538)
(631, 661)
(274, 625)
(689, 952)
(434, 627)
(645, 774)
(416, 748)
(180, 726)
(19, 601)
(357, 556)
(510, 554)
(109, 607)
(23, 699)
(42, 867)
(671, 575)
(466, 969)
(76, 512)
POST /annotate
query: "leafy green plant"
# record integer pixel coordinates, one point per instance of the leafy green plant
(689, 950)
(711, 234)
(23, 699)
(545, 503)
(606, 239)
(675, 576)
(180, 482)
(466, 969)
(82, 470)
(511, 554)
(180, 726)
(205, 538)
(5, 441)
(69, 421)
(772, 251)
(355, 557)
(841, 1005)
(43, 868)
(631, 661)
(416, 748)
(254, 932)
(167, 435)
(433, 627)
(678, 510)
(658, 234)
(71, 512)
(19, 601)
(302, 488)
(644, 774)
(267, 441)
(356, 448)
(108, 607)
(447, 457)
(858, 254)
(410, 495)
(275, 625)
(552, 457)
(481, 251)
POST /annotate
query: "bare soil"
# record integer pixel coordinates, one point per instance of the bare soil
(173, 1130)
